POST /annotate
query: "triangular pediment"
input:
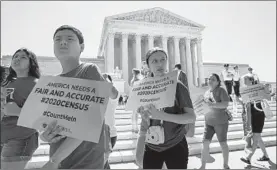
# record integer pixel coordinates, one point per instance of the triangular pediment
(156, 15)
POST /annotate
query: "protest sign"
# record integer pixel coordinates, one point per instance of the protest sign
(159, 91)
(78, 105)
(200, 107)
(253, 93)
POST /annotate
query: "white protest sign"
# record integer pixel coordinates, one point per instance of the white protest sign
(200, 107)
(78, 105)
(254, 92)
(159, 91)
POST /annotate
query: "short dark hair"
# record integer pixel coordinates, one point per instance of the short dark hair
(250, 68)
(217, 78)
(178, 66)
(152, 51)
(76, 31)
(226, 65)
(136, 71)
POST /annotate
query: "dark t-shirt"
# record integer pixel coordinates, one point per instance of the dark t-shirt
(87, 155)
(183, 78)
(17, 92)
(174, 133)
(217, 116)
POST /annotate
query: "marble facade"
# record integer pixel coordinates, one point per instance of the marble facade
(127, 37)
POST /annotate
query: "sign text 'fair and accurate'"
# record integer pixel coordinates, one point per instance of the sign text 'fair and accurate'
(159, 91)
(77, 104)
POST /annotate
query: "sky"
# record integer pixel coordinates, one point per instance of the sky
(236, 31)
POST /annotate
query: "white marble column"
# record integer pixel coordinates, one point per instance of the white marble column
(189, 63)
(110, 54)
(183, 56)
(194, 64)
(200, 62)
(171, 60)
(138, 51)
(164, 42)
(124, 48)
(150, 42)
(176, 50)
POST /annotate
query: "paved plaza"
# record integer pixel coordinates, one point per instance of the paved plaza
(234, 161)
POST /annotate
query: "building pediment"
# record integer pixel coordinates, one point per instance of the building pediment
(156, 15)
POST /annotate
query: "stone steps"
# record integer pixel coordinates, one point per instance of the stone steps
(126, 135)
(125, 146)
(126, 156)
(128, 144)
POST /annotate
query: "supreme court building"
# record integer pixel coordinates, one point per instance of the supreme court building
(127, 37)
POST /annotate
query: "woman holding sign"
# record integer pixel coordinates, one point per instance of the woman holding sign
(255, 118)
(216, 121)
(18, 143)
(167, 125)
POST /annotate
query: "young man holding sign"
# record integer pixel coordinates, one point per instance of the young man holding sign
(71, 153)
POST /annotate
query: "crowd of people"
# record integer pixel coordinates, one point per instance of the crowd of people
(175, 123)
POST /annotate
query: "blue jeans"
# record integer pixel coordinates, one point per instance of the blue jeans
(19, 150)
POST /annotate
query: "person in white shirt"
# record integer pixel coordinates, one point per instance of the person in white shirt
(227, 77)
(110, 119)
(251, 74)
(236, 79)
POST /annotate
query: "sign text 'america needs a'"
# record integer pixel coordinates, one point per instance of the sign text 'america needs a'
(159, 91)
(254, 92)
(78, 105)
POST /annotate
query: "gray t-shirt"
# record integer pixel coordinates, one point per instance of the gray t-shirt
(174, 133)
(87, 155)
(217, 116)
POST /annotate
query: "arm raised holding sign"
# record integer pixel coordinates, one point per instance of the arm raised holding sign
(184, 103)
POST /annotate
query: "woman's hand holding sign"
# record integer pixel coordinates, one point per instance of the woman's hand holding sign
(145, 114)
(50, 135)
(149, 111)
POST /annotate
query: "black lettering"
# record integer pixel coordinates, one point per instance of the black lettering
(102, 100)
(55, 101)
(86, 107)
(67, 104)
(93, 90)
(63, 103)
(87, 97)
(92, 99)
(58, 102)
(73, 95)
(68, 95)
